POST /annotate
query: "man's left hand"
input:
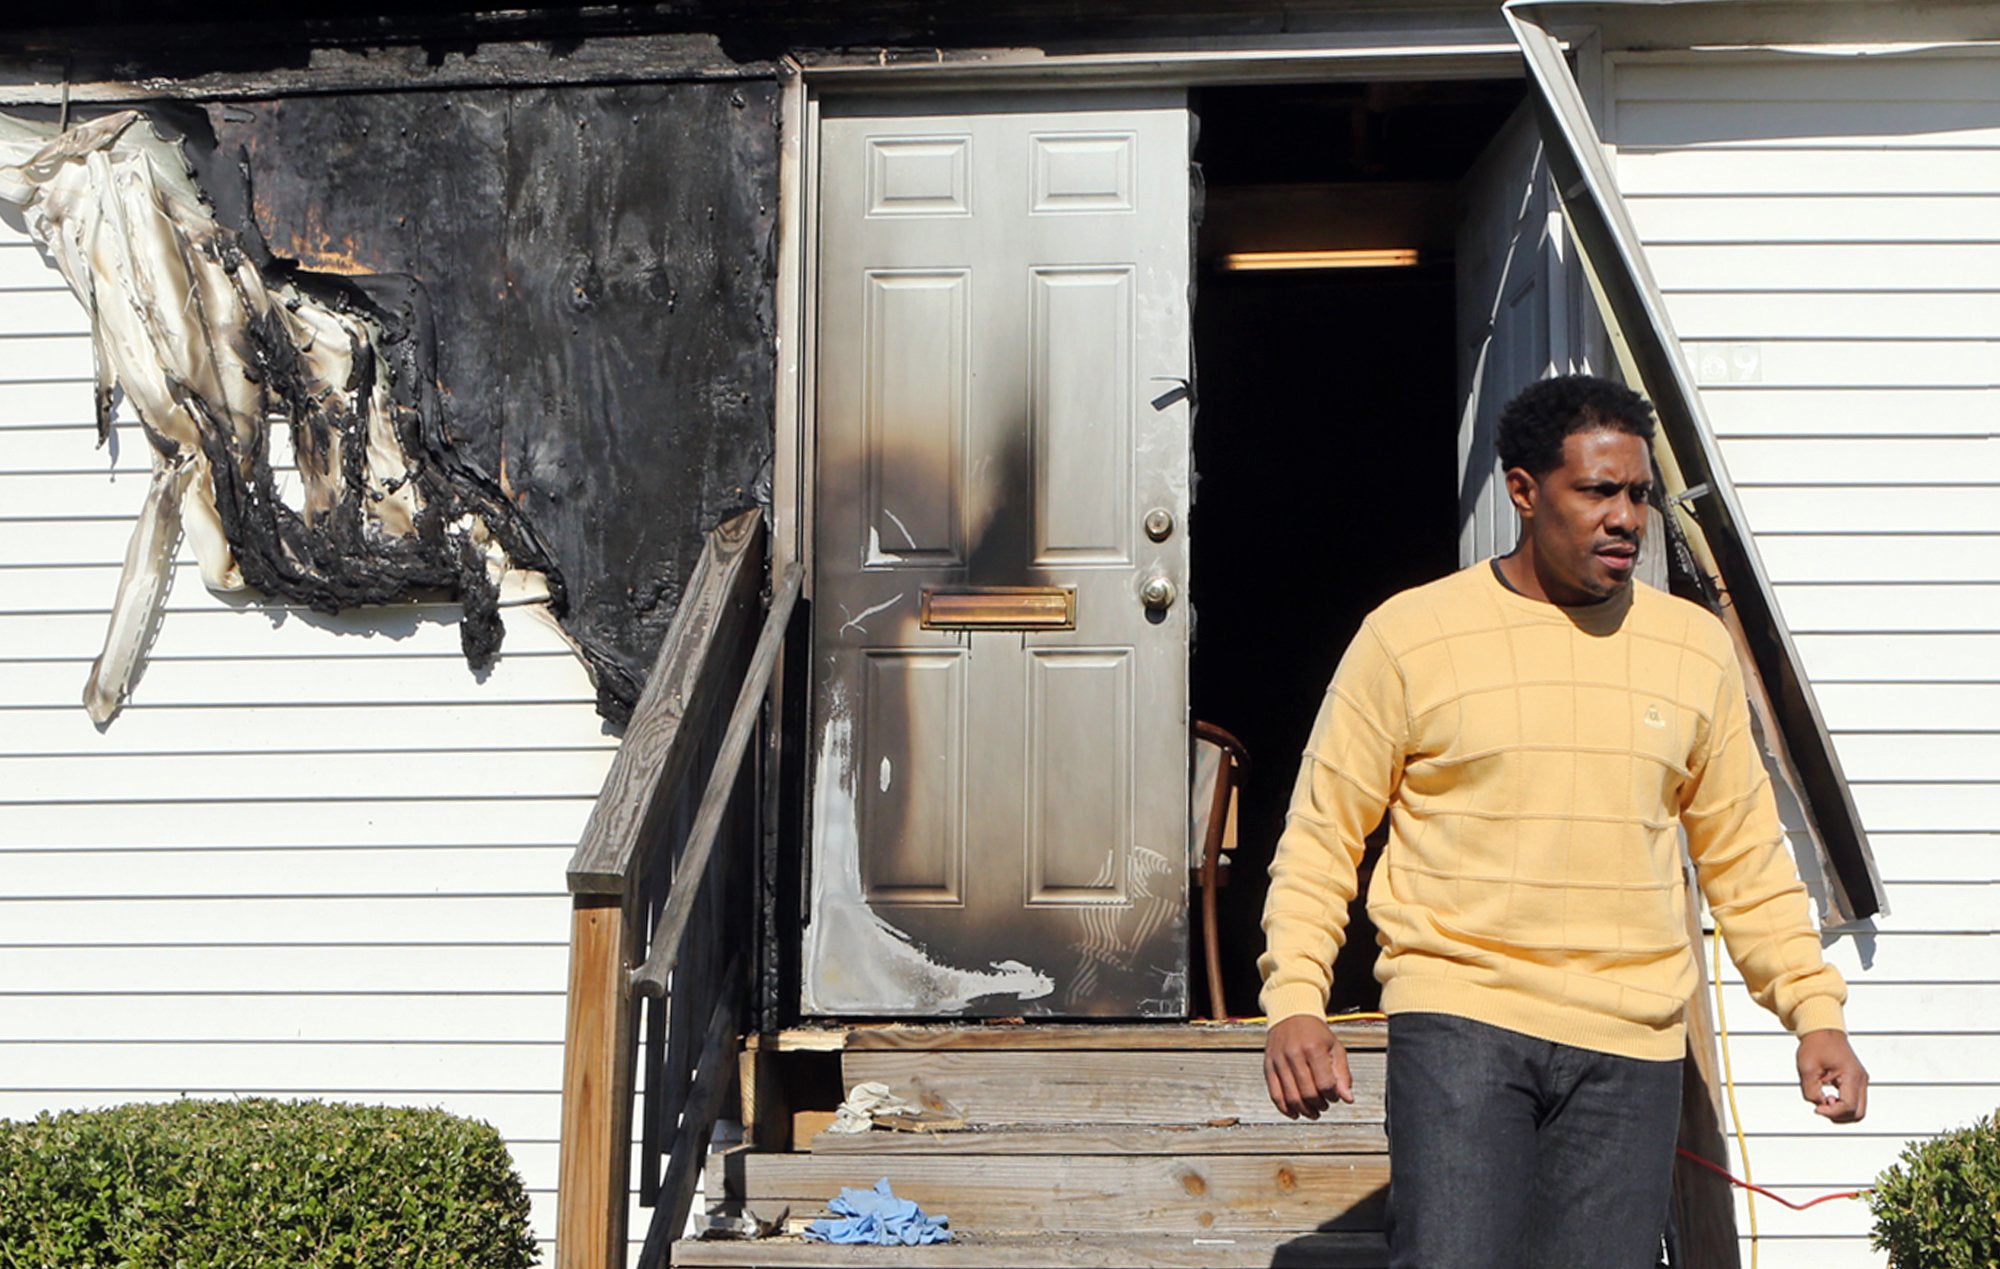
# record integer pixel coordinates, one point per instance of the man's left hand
(1826, 1060)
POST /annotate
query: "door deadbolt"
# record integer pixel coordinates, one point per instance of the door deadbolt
(1157, 594)
(1159, 524)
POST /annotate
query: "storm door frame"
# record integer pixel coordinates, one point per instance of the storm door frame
(1701, 496)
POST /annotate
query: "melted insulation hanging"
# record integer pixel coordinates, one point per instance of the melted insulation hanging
(212, 349)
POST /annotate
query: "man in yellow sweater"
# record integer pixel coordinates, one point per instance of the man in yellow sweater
(1535, 728)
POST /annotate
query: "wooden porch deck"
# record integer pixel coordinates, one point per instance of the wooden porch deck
(1082, 1144)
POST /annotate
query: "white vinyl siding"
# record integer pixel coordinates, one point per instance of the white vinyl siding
(314, 857)
(1827, 231)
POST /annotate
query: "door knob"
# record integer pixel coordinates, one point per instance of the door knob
(1158, 593)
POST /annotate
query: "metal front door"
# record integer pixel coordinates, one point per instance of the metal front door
(999, 812)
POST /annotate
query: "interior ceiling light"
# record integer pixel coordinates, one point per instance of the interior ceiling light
(1355, 258)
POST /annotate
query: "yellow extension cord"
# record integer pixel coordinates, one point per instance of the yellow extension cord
(1729, 1085)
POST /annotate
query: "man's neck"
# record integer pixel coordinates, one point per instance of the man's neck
(1518, 572)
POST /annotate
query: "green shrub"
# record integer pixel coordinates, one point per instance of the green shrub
(1938, 1207)
(257, 1183)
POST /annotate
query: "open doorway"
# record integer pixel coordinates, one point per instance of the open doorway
(1327, 439)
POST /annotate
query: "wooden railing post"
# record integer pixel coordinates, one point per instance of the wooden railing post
(594, 1182)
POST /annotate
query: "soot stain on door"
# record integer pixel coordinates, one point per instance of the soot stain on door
(943, 966)
(863, 957)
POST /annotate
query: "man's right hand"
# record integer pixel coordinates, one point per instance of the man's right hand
(1305, 1066)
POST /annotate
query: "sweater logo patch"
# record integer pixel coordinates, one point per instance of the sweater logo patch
(1653, 718)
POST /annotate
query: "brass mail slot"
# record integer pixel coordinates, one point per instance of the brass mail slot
(999, 608)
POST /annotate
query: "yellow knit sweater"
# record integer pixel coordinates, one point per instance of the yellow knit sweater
(1533, 761)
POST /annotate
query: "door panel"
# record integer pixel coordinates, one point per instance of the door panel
(1081, 419)
(915, 820)
(913, 413)
(999, 815)
(1079, 776)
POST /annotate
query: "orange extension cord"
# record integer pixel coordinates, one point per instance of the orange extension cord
(1720, 1171)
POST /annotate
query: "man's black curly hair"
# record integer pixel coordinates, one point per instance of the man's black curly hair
(1534, 423)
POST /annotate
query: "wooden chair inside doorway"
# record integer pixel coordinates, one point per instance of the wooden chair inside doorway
(1220, 765)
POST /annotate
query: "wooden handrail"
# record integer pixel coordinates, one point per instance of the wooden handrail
(714, 615)
(664, 951)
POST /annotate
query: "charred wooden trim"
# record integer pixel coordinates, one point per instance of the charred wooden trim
(774, 785)
(184, 24)
(1464, 55)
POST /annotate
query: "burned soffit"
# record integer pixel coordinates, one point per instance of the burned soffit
(533, 326)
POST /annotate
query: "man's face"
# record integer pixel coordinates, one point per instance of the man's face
(1587, 516)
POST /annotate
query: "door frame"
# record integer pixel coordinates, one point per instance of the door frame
(1406, 51)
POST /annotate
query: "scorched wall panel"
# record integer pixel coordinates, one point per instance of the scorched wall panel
(1823, 230)
(561, 305)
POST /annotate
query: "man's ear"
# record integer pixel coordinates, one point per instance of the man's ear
(1521, 491)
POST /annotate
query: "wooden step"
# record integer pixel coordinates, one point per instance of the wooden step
(1324, 1137)
(1047, 1251)
(1087, 1073)
(987, 1194)
(1100, 1087)
(1107, 1078)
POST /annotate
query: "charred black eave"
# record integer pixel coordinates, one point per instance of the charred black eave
(121, 40)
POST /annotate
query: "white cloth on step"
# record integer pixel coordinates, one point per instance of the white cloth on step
(865, 1101)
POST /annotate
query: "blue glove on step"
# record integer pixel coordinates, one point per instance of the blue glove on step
(878, 1218)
